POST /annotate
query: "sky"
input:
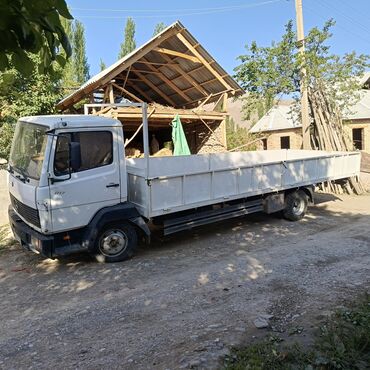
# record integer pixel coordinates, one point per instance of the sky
(223, 27)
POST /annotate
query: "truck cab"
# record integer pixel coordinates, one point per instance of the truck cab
(67, 179)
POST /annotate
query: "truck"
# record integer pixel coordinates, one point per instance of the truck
(73, 190)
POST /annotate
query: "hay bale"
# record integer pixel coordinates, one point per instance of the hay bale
(164, 152)
(132, 152)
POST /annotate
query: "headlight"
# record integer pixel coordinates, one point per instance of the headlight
(36, 243)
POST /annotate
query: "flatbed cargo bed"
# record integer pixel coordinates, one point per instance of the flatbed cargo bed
(165, 185)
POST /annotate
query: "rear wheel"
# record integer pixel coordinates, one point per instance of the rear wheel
(116, 242)
(295, 205)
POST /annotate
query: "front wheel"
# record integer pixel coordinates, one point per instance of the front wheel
(116, 242)
(295, 205)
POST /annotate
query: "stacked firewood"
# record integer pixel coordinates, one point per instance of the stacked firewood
(328, 134)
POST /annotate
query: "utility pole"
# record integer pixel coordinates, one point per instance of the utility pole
(304, 95)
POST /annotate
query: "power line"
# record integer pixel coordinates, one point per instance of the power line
(345, 16)
(240, 6)
(337, 25)
(188, 12)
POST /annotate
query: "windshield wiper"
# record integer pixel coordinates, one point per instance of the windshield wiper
(23, 173)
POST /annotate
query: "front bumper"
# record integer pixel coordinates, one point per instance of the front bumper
(29, 238)
(49, 246)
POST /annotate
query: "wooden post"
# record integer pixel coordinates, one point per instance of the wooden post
(304, 95)
(224, 103)
(111, 94)
(223, 123)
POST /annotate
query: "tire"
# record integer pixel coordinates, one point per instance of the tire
(295, 205)
(116, 242)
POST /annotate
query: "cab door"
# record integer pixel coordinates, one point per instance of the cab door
(76, 196)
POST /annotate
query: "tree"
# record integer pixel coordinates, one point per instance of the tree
(25, 96)
(102, 65)
(239, 137)
(129, 43)
(159, 28)
(76, 69)
(68, 75)
(32, 27)
(81, 68)
(268, 73)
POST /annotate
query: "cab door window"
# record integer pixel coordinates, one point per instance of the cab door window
(96, 150)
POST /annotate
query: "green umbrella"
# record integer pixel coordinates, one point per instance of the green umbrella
(178, 137)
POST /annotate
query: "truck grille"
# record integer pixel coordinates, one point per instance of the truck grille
(28, 213)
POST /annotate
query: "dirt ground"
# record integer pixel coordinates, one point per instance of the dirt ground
(183, 301)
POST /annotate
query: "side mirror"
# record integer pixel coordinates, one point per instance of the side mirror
(74, 155)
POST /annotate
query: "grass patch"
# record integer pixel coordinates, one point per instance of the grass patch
(6, 238)
(343, 342)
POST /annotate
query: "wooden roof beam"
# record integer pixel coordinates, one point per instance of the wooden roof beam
(202, 102)
(142, 52)
(130, 94)
(197, 69)
(156, 89)
(145, 71)
(177, 54)
(165, 79)
(190, 79)
(140, 91)
(204, 61)
(208, 81)
(153, 63)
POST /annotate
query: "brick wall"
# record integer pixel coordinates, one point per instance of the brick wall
(201, 140)
(295, 135)
(295, 138)
(361, 124)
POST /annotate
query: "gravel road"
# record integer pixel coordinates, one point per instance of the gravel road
(183, 301)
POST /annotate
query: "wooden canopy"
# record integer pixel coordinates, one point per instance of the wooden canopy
(171, 69)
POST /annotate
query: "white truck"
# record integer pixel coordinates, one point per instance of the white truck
(72, 189)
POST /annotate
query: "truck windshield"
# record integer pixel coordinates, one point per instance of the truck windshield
(28, 148)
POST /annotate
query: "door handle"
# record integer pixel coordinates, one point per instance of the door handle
(112, 185)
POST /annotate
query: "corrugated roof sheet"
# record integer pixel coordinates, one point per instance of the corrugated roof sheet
(280, 117)
(361, 110)
(183, 76)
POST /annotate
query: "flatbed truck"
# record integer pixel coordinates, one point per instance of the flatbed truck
(73, 190)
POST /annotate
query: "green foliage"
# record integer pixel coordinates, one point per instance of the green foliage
(68, 76)
(81, 67)
(76, 70)
(32, 27)
(159, 27)
(268, 73)
(267, 355)
(129, 43)
(238, 136)
(6, 135)
(102, 65)
(343, 343)
(25, 96)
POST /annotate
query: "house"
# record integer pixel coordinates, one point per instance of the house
(282, 129)
(357, 121)
(174, 74)
(279, 128)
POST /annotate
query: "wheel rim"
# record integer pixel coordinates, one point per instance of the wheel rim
(113, 242)
(298, 207)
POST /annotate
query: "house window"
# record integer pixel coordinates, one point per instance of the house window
(264, 144)
(357, 135)
(285, 142)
